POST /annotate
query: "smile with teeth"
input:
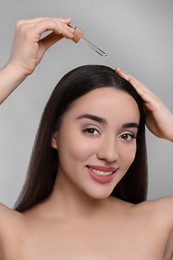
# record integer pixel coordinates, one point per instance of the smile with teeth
(101, 173)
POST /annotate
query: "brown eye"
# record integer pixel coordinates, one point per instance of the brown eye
(91, 131)
(128, 137)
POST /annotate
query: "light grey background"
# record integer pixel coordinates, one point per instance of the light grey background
(136, 34)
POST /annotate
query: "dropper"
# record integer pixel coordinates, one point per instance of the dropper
(78, 36)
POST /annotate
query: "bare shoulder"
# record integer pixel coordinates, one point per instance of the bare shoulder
(7, 214)
(160, 211)
(11, 226)
(162, 207)
(158, 216)
(153, 220)
(9, 219)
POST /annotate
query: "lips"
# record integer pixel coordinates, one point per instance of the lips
(101, 174)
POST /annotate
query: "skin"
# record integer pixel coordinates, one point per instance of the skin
(26, 56)
(89, 142)
(79, 206)
(80, 220)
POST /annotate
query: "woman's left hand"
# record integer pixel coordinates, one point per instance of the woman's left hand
(159, 119)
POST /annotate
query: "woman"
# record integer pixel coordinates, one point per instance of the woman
(85, 193)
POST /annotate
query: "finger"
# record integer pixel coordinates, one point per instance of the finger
(52, 25)
(50, 39)
(47, 18)
(150, 99)
(67, 31)
(123, 74)
(134, 82)
(35, 27)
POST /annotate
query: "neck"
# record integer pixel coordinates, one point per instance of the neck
(69, 200)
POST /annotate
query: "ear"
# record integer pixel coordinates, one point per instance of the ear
(54, 143)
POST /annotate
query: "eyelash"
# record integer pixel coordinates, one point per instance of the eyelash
(94, 131)
(90, 130)
(127, 135)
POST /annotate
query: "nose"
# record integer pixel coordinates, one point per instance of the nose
(108, 150)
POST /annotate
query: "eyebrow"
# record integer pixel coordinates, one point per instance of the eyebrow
(93, 117)
(130, 125)
(104, 121)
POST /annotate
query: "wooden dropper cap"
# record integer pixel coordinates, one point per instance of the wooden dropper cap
(78, 34)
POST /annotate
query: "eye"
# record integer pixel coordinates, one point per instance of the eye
(91, 131)
(128, 137)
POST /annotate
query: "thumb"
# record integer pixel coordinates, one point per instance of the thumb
(49, 40)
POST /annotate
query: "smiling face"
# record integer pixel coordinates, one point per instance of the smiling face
(96, 142)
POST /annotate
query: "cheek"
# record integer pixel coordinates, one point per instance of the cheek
(127, 154)
(84, 150)
(78, 147)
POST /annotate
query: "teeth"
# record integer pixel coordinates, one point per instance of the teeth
(101, 173)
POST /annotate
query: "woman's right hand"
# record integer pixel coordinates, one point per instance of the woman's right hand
(159, 118)
(28, 46)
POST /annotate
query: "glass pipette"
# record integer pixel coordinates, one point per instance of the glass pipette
(78, 36)
(93, 47)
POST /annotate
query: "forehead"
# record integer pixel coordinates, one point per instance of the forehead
(105, 102)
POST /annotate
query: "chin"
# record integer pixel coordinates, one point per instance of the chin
(100, 195)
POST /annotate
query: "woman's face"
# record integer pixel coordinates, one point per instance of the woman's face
(96, 142)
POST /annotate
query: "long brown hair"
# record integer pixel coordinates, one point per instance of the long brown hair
(43, 165)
